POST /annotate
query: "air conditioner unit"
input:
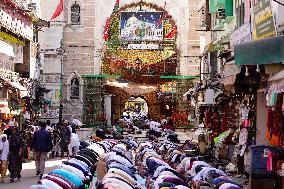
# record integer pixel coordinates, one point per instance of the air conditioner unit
(32, 7)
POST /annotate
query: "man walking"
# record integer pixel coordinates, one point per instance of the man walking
(42, 144)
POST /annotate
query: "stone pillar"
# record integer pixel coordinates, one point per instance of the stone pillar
(108, 109)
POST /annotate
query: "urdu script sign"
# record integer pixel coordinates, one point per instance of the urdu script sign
(264, 26)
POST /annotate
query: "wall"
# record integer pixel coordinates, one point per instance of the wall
(261, 119)
(193, 63)
(49, 40)
(79, 49)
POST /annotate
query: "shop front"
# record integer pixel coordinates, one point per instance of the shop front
(267, 154)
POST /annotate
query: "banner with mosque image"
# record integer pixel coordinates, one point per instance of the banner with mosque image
(141, 26)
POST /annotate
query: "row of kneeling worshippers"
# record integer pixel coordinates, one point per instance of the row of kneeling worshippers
(108, 160)
(120, 173)
(165, 167)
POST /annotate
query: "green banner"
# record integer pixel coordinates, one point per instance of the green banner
(263, 20)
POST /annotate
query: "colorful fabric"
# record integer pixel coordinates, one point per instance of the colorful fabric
(70, 176)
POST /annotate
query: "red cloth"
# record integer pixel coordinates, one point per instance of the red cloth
(171, 34)
(106, 29)
(168, 126)
(59, 9)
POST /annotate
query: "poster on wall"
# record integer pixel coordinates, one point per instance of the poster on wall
(264, 26)
(141, 26)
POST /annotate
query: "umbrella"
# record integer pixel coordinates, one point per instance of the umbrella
(76, 122)
(200, 131)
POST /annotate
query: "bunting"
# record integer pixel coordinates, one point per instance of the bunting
(59, 9)
(116, 6)
(106, 29)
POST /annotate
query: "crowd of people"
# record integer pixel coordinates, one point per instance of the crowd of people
(153, 164)
(36, 142)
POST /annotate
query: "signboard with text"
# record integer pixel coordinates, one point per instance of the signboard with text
(264, 26)
(241, 35)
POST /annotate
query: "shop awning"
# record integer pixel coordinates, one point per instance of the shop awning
(15, 86)
(277, 77)
(23, 90)
(4, 107)
(265, 51)
(6, 49)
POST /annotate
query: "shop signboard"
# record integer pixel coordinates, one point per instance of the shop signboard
(241, 35)
(264, 26)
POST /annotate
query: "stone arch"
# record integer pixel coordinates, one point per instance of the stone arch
(80, 81)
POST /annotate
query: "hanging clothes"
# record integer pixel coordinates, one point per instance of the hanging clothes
(274, 122)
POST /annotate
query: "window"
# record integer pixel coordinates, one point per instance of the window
(240, 12)
(75, 13)
(75, 89)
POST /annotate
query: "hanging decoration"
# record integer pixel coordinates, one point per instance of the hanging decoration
(58, 10)
(106, 30)
(116, 6)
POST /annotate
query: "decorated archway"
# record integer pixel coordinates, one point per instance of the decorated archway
(141, 50)
(140, 43)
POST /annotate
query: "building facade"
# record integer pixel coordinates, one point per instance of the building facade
(18, 61)
(80, 28)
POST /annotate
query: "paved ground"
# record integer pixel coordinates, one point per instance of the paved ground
(28, 174)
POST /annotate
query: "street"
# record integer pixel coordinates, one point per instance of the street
(28, 175)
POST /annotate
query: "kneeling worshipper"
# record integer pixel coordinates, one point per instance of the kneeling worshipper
(168, 180)
(101, 169)
(218, 182)
(69, 177)
(39, 187)
(197, 166)
(62, 183)
(206, 177)
(229, 186)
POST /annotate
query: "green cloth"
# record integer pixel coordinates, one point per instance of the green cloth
(273, 99)
(212, 6)
(222, 135)
(229, 7)
(119, 129)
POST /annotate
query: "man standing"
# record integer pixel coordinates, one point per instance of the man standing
(48, 127)
(42, 144)
(65, 137)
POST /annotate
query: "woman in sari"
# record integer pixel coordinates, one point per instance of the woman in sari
(15, 157)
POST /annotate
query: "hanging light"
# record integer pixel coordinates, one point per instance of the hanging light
(247, 71)
(257, 68)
